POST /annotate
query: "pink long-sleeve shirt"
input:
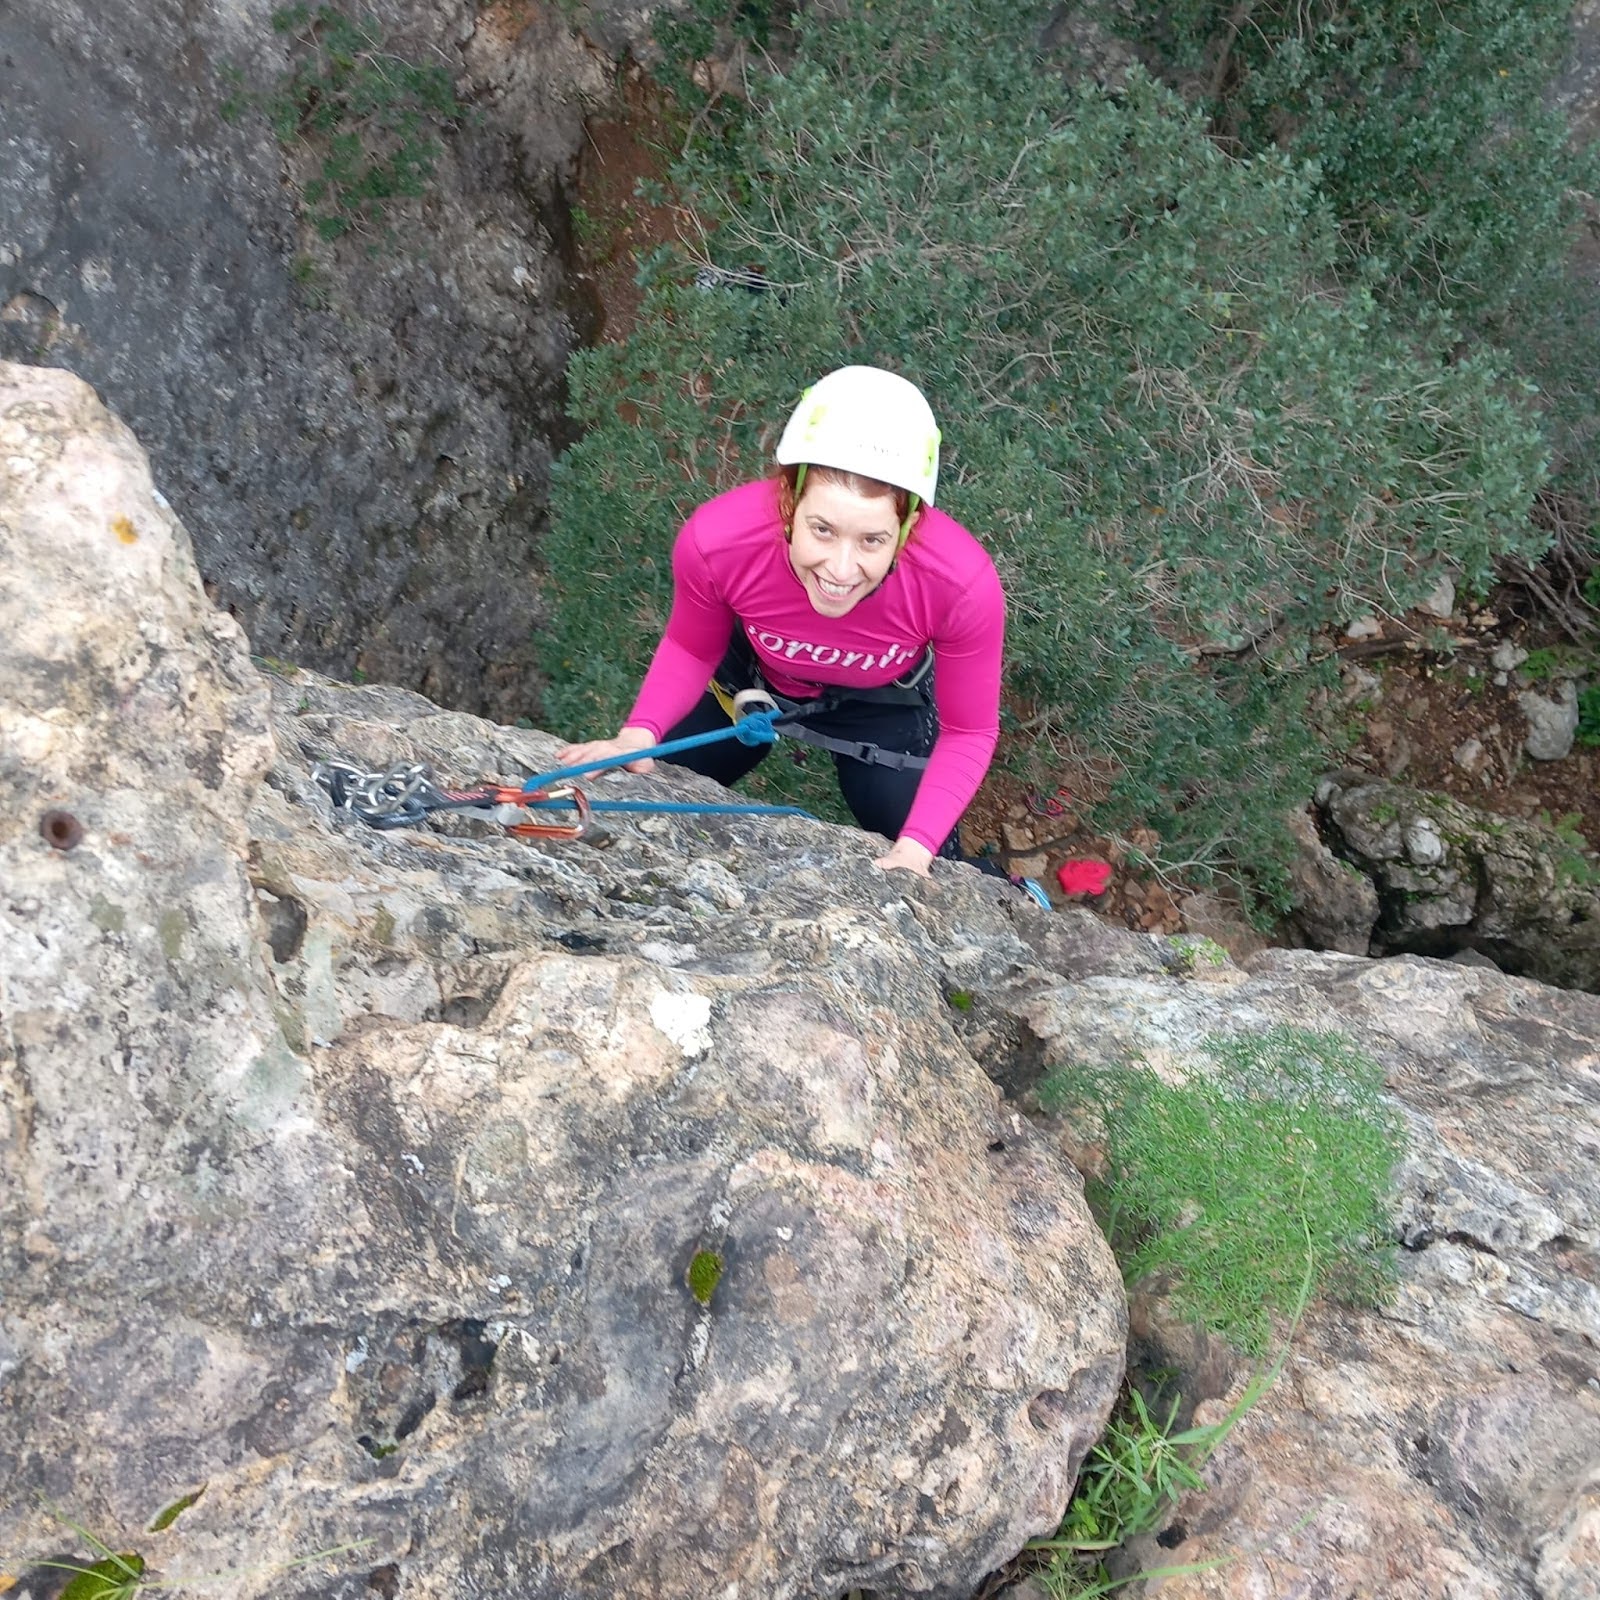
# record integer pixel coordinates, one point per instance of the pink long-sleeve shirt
(730, 567)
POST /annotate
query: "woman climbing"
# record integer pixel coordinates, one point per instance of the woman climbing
(837, 589)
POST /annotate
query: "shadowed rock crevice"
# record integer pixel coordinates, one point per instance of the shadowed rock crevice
(285, 922)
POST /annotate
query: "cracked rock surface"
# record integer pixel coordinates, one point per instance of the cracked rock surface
(355, 1176)
(1448, 1444)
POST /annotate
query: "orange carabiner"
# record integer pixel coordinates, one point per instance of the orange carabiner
(550, 830)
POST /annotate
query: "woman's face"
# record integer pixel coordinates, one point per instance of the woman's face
(843, 544)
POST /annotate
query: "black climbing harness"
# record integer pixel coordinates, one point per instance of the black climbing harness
(741, 666)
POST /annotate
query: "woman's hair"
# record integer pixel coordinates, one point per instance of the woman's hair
(857, 482)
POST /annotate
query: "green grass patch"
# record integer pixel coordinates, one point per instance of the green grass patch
(809, 782)
(1136, 1472)
(110, 1574)
(1134, 1477)
(1278, 1148)
(1553, 661)
(117, 1577)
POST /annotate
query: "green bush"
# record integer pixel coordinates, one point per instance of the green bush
(1429, 128)
(1280, 1146)
(372, 115)
(1554, 337)
(1172, 433)
(1589, 717)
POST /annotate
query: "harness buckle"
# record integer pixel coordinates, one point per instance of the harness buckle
(747, 701)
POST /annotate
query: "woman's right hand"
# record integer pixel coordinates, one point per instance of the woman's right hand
(575, 755)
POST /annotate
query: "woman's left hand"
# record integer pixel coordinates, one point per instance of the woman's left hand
(906, 855)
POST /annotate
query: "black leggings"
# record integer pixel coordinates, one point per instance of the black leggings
(879, 797)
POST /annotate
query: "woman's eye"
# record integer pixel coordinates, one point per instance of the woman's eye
(820, 530)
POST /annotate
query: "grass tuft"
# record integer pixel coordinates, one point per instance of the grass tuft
(1281, 1148)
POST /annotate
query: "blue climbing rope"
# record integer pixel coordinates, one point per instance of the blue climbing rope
(404, 795)
(681, 808)
(754, 728)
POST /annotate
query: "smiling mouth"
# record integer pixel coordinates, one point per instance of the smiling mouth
(835, 591)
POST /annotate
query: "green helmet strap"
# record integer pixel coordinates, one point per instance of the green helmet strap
(913, 506)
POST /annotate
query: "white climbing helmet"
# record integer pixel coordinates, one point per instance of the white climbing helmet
(866, 420)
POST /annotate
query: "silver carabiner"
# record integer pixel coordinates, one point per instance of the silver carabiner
(381, 799)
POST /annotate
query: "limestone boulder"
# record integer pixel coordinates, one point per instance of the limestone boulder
(1450, 878)
(1446, 1444)
(1552, 721)
(455, 1214)
(1334, 905)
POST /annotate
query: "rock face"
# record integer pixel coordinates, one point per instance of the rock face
(1448, 1444)
(1449, 878)
(357, 434)
(359, 1178)
(514, 1220)
(1335, 903)
(1578, 88)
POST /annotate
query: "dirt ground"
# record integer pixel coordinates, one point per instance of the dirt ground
(1431, 707)
(1434, 711)
(610, 222)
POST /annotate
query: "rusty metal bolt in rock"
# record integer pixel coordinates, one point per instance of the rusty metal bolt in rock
(61, 830)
